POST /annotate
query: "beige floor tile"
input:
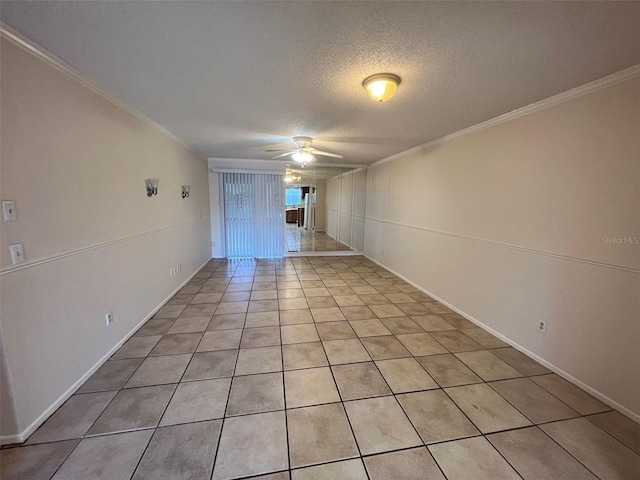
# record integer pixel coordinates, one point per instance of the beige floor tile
(456, 341)
(359, 380)
(137, 347)
(357, 313)
(73, 418)
(112, 375)
(447, 370)
(220, 340)
(532, 400)
(440, 309)
(454, 319)
(594, 448)
(484, 338)
(382, 348)
(259, 360)
(231, 307)
(235, 297)
(345, 351)
(159, 370)
(295, 317)
(264, 435)
(412, 464)
(260, 337)
(197, 401)
(486, 409)
(374, 299)
(472, 458)
(190, 325)
(622, 428)
(335, 330)
(413, 308)
(386, 311)
(340, 291)
(170, 456)
(263, 306)
(155, 326)
(321, 302)
(316, 292)
(290, 293)
(231, 321)
(34, 462)
(369, 328)
(402, 325)
(93, 457)
(573, 396)
(420, 344)
(311, 386)
(170, 311)
(264, 295)
(436, 417)
(201, 310)
(299, 334)
(293, 303)
(262, 319)
(520, 361)
(365, 290)
(487, 365)
(348, 300)
(134, 408)
(405, 375)
(534, 455)
(207, 365)
(345, 470)
(331, 314)
(177, 343)
(319, 434)
(256, 394)
(432, 323)
(380, 425)
(303, 355)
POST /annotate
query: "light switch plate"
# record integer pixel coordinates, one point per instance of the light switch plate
(17, 256)
(9, 210)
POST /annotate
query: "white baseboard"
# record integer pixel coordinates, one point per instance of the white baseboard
(24, 435)
(592, 391)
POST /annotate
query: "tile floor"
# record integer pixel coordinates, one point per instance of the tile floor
(300, 240)
(322, 368)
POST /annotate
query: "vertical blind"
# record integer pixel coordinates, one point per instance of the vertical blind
(254, 215)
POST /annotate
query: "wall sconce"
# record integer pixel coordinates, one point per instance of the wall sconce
(152, 186)
(186, 189)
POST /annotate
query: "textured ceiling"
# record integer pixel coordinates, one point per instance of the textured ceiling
(231, 78)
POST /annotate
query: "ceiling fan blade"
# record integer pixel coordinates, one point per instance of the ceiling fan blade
(276, 150)
(283, 154)
(326, 154)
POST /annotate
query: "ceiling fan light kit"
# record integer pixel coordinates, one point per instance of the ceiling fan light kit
(304, 152)
(381, 86)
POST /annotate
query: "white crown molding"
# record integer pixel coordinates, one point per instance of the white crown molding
(214, 160)
(621, 76)
(36, 50)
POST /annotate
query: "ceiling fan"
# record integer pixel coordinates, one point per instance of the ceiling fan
(304, 152)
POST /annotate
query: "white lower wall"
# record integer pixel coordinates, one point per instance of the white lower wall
(507, 225)
(53, 313)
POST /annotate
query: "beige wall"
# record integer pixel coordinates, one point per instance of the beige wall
(75, 163)
(506, 225)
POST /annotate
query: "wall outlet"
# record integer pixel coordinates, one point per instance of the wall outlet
(17, 255)
(108, 318)
(172, 272)
(542, 326)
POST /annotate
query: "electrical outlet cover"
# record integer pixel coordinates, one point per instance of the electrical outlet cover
(17, 255)
(9, 210)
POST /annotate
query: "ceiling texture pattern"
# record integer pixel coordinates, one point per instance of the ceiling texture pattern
(233, 78)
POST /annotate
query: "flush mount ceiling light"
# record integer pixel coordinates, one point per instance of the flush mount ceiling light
(381, 86)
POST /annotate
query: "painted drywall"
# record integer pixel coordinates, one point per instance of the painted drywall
(510, 225)
(75, 163)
